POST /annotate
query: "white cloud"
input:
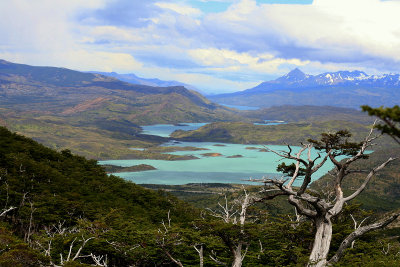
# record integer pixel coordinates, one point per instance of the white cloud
(102, 61)
(321, 31)
(180, 9)
(215, 51)
(112, 33)
(40, 27)
(227, 60)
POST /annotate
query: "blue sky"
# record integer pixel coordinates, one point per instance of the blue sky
(220, 6)
(215, 45)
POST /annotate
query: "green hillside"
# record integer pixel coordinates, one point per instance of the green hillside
(94, 115)
(309, 113)
(48, 188)
(248, 133)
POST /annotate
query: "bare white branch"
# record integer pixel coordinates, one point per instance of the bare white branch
(367, 179)
(226, 213)
(358, 232)
(5, 211)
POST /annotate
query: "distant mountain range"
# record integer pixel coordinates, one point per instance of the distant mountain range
(132, 78)
(342, 88)
(65, 92)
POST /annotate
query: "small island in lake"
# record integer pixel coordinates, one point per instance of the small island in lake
(166, 149)
(252, 148)
(135, 168)
(212, 154)
(235, 156)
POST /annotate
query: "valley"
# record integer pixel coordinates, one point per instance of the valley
(204, 133)
(164, 158)
(94, 115)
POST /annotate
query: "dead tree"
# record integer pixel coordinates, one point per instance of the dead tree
(44, 243)
(321, 210)
(71, 256)
(228, 213)
(167, 240)
(200, 250)
(99, 260)
(6, 209)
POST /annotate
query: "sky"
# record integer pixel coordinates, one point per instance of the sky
(217, 46)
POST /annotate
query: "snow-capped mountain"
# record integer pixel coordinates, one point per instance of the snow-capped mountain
(340, 77)
(341, 88)
(296, 78)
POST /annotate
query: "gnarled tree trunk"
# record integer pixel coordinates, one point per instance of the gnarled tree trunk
(237, 255)
(322, 241)
(319, 207)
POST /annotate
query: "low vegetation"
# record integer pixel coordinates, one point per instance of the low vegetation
(309, 114)
(248, 133)
(135, 168)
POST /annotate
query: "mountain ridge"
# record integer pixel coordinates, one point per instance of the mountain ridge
(341, 88)
(134, 79)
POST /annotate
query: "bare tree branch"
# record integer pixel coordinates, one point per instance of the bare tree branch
(356, 226)
(287, 155)
(358, 232)
(301, 209)
(177, 262)
(367, 179)
(4, 212)
(215, 259)
(296, 173)
(226, 213)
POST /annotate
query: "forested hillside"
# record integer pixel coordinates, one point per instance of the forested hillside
(51, 191)
(61, 209)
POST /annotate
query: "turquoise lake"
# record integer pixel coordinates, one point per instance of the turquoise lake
(253, 163)
(165, 130)
(240, 107)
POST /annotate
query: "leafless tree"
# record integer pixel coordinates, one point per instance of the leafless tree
(200, 250)
(166, 240)
(6, 209)
(99, 260)
(44, 243)
(29, 233)
(321, 210)
(228, 213)
(297, 219)
(74, 256)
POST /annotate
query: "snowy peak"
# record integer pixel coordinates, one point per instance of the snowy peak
(295, 75)
(299, 81)
(296, 78)
(331, 78)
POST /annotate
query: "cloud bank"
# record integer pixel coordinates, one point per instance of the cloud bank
(218, 46)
